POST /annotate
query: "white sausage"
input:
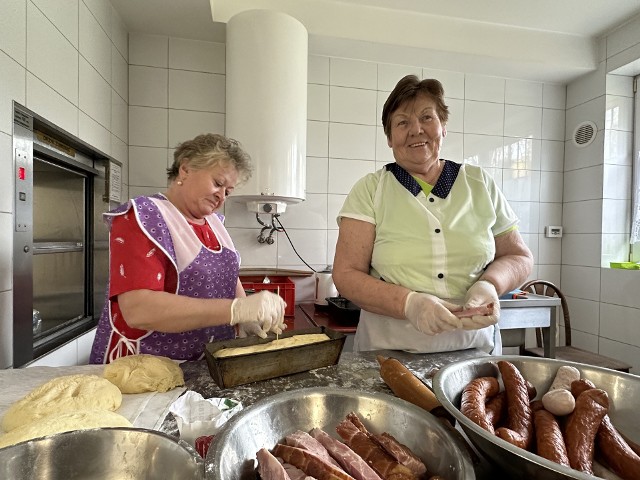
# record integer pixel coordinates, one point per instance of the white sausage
(558, 400)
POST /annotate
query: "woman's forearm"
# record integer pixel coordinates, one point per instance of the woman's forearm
(170, 313)
(508, 272)
(370, 293)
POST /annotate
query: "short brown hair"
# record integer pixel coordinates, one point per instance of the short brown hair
(408, 88)
(209, 149)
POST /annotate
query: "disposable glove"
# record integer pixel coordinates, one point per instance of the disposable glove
(264, 308)
(481, 293)
(429, 314)
(249, 329)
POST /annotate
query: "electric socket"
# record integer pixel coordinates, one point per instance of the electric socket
(553, 231)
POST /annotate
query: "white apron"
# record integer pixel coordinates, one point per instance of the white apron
(379, 332)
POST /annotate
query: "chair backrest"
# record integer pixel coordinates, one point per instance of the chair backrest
(544, 287)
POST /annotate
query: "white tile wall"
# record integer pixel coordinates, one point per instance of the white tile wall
(13, 30)
(12, 87)
(196, 55)
(149, 86)
(344, 140)
(73, 71)
(50, 56)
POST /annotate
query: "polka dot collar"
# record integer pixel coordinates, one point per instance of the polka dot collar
(442, 187)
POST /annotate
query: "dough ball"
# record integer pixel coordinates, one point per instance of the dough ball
(62, 395)
(144, 373)
(66, 422)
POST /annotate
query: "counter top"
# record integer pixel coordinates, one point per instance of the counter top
(358, 371)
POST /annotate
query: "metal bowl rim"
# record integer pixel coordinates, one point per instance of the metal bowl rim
(466, 463)
(156, 433)
(468, 424)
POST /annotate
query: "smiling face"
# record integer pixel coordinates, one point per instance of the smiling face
(203, 191)
(416, 134)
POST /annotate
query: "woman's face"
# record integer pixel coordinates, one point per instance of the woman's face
(205, 190)
(416, 133)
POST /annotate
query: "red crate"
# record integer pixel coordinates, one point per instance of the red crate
(280, 285)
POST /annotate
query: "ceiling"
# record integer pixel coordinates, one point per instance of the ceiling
(543, 40)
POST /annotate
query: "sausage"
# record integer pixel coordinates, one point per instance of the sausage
(482, 310)
(519, 425)
(474, 397)
(582, 426)
(619, 456)
(549, 440)
(559, 400)
(496, 408)
(309, 463)
(615, 449)
(579, 386)
(405, 385)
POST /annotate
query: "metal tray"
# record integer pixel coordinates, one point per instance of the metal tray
(228, 372)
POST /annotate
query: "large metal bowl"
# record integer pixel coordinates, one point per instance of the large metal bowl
(102, 453)
(623, 390)
(232, 455)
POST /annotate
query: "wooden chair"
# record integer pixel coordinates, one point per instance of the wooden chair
(567, 352)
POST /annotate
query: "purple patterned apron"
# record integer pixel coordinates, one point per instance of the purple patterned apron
(202, 273)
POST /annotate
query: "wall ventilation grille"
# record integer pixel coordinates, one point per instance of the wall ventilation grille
(584, 134)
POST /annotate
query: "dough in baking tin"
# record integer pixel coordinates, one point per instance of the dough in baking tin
(144, 373)
(61, 395)
(66, 422)
(279, 344)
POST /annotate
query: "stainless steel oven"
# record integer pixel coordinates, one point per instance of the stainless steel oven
(60, 242)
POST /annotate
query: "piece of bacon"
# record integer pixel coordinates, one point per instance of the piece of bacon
(295, 473)
(309, 463)
(303, 440)
(375, 456)
(352, 463)
(269, 467)
(482, 310)
(400, 452)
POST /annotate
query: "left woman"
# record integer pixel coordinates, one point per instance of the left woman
(174, 271)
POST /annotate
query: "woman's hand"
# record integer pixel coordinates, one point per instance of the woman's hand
(481, 293)
(431, 315)
(264, 308)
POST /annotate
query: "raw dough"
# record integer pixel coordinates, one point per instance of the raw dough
(62, 395)
(293, 341)
(144, 373)
(78, 420)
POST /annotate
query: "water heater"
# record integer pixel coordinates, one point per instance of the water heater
(266, 105)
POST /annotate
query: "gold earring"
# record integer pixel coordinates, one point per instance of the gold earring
(180, 182)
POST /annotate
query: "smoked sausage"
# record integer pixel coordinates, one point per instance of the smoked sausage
(582, 426)
(474, 397)
(519, 425)
(549, 441)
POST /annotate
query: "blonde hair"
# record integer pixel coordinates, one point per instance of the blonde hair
(208, 150)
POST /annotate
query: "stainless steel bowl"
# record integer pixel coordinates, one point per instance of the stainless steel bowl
(232, 455)
(102, 453)
(623, 390)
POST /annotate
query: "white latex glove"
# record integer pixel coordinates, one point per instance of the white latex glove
(430, 314)
(264, 308)
(481, 293)
(250, 329)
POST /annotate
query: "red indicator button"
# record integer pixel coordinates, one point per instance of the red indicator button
(21, 173)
